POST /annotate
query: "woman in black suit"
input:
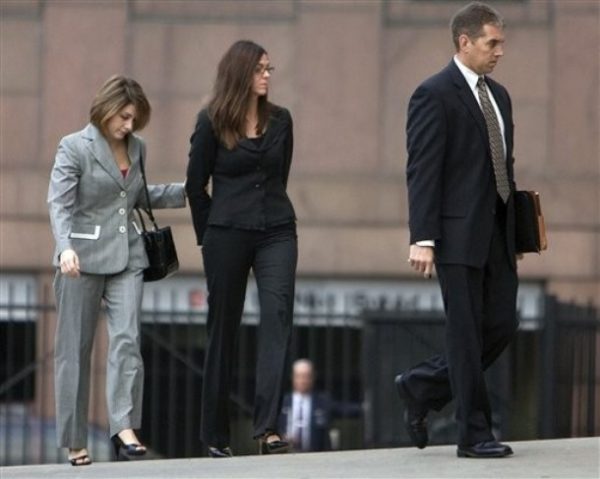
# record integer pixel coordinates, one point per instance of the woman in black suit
(244, 145)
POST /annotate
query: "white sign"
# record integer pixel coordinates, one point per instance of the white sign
(319, 299)
(338, 302)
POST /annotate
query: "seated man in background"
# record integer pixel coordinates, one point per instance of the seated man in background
(306, 414)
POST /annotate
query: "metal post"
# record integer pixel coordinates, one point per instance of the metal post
(591, 383)
(547, 397)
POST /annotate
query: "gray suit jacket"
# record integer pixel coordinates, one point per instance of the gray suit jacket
(91, 204)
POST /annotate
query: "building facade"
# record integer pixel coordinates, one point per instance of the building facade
(345, 69)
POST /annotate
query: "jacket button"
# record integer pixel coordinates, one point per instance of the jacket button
(257, 185)
(122, 229)
(121, 211)
(123, 194)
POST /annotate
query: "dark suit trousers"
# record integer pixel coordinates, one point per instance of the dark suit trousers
(229, 254)
(480, 305)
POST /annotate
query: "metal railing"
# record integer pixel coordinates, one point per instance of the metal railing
(570, 371)
(544, 386)
(173, 357)
(172, 347)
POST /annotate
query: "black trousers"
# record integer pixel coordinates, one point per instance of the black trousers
(229, 254)
(481, 319)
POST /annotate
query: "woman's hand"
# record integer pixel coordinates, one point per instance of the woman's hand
(69, 263)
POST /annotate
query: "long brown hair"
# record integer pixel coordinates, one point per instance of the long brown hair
(232, 93)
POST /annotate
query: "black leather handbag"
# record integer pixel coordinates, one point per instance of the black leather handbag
(158, 243)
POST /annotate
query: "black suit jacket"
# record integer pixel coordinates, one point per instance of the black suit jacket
(248, 182)
(324, 411)
(451, 186)
(320, 420)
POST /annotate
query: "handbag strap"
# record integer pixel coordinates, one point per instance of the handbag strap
(148, 210)
(141, 217)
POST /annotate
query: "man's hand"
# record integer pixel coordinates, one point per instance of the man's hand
(421, 259)
(69, 263)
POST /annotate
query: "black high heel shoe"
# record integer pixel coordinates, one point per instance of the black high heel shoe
(83, 460)
(126, 452)
(219, 452)
(278, 446)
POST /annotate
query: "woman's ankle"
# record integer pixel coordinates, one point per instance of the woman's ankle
(271, 436)
(76, 452)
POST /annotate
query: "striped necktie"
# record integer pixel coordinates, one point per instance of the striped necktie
(496, 145)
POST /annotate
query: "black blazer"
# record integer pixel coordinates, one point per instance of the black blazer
(451, 186)
(324, 411)
(248, 182)
(320, 420)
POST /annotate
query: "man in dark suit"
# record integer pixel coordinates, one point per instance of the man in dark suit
(461, 217)
(306, 414)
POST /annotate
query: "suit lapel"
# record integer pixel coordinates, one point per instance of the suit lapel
(134, 150)
(468, 99)
(100, 150)
(274, 128)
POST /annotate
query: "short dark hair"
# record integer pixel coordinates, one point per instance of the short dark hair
(116, 93)
(471, 19)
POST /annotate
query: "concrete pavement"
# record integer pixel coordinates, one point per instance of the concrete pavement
(552, 459)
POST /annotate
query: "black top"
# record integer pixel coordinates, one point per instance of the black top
(248, 182)
(257, 140)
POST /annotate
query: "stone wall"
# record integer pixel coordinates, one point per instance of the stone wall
(346, 70)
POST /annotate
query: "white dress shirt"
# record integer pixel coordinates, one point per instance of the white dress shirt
(471, 77)
(300, 418)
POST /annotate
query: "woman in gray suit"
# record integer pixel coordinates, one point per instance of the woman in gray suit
(96, 183)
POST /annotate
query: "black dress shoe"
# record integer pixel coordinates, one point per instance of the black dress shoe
(484, 450)
(220, 452)
(415, 416)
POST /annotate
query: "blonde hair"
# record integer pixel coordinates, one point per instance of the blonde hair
(116, 93)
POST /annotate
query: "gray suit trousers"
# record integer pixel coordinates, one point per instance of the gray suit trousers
(78, 302)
